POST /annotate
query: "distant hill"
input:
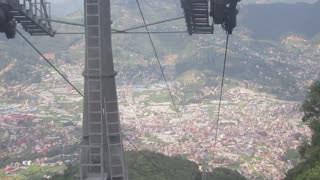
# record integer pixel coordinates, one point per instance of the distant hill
(271, 21)
(132, 52)
(63, 7)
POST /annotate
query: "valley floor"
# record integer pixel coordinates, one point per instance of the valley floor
(256, 130)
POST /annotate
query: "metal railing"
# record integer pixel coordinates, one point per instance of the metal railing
(38, 8)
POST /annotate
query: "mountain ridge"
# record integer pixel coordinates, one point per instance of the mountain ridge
(273, 21)
(193, 52)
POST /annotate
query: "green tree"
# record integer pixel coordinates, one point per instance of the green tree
(221, 174)
(310, 174)
(309, 168)
(311, 110)
(311, 105)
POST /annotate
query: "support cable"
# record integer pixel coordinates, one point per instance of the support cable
(115, 30)
(70, 33)
(132, 32)
(159, 22)
(64, 22)
(151, 32)
(221, 93)
(63, 76)
(158, 59)
(71, 23)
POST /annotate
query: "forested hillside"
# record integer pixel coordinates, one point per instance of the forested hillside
(159, 167)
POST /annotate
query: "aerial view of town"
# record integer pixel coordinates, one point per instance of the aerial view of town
(260, 129)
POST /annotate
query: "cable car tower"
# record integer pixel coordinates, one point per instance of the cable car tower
(102, 154)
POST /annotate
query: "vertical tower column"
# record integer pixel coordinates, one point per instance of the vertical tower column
(102, 147)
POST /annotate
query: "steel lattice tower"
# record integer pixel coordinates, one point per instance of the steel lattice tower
(102, 154)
